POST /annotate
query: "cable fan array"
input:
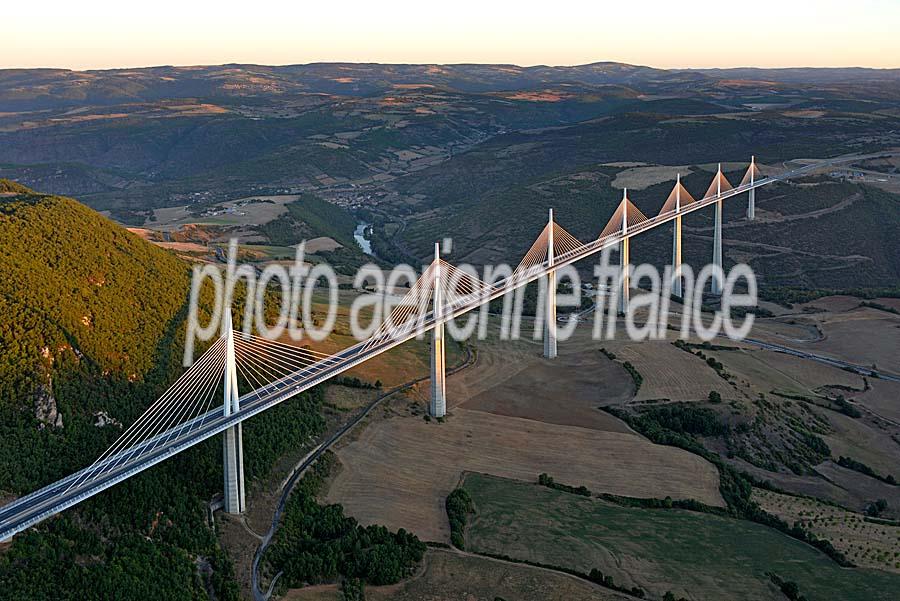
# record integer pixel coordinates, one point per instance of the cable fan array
(563, 244)
(265, 365)
(179, 411)
(627, 212)
(414, 311)
(186, 405)
(720, 184)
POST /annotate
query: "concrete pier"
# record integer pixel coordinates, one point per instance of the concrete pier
(438, 405)
(676, 243)
(751, 199)
(624, 258)
(550, 307)
(624, 289)
(232, 438)
(716, 281)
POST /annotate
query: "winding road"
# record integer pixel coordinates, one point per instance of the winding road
(311, 458)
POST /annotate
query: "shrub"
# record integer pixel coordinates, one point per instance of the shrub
(459, 505)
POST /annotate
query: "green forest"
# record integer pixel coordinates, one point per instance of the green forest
(92, 320)
(318, 543)
(308, 217)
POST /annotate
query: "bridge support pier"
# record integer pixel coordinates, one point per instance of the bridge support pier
(232, 442)
(676, 243)
(716, 281)
(438, 405)
(624, 289)
(676, 259)
(550, 349)
(751, 200)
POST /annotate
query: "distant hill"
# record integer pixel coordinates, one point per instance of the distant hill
(131, 140)
(808, 75)
(32, 89)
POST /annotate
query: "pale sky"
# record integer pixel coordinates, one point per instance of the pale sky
(94, 34)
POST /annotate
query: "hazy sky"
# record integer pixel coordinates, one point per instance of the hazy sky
(87, 34)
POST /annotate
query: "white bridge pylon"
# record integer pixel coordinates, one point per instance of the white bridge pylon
(624, 219)
(272, 371)
(719, 185)
(679, 197)
(750, 178)
(233, 441)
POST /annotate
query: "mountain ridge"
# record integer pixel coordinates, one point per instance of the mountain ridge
(44, 88)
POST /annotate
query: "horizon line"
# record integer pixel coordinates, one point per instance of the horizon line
(439, 64)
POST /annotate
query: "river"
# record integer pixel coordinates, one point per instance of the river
(359, 234)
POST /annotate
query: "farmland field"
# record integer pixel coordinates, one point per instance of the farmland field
(400, 469)
(670, 373)
(856, 334)
(449, 576)
(865, 543)
(883, 398)
(701, 556)
(512, 378)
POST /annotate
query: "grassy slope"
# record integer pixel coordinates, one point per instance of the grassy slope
(705, 556)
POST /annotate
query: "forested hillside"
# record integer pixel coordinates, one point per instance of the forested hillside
(82, 302)
(91, 327)
(91, 332)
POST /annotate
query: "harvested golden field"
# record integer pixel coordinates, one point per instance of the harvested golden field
(859, 440)
(191, 247)
(669, 372)
(864, 336)
(787, 330)
(866, 544)
(893, 303)
(849, 489)
(319, 592)
(833, 304)
(840, 329)
(399, 469)
(638, 178)
(512, 378)
(883, 398)
(245, 212)
(768, 371)
(322, 243)
(863, 488)
(810, 375)
(452, 576)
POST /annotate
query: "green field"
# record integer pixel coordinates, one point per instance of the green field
(696, 555)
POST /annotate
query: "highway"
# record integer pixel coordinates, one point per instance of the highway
(854, 367)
